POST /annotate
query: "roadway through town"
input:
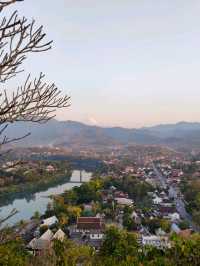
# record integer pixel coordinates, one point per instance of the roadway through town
(179, 202)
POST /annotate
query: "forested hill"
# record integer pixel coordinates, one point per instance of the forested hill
(69, 133)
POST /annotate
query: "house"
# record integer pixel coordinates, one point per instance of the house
(157, 200)
(174, 216)
(59, 235)
(124, 202)
(44, 242)
(89, 224)
(160, 232)
(38, 245)
(160, 242)
(50, 221)
(135, 217)
(96, 235)
(166, 209)
(88, 230)
(48, 235)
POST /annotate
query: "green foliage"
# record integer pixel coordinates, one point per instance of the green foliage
(119, 244)
(136, 189)
(128, 221)
(13, 253)
(186, 251)
(68, 253)
(88, 191)
(27, 181)
(87, 213)
(183, 225)
(119, 248)
(152, 224)
(36, 215)
(43, 229)
(191, 190)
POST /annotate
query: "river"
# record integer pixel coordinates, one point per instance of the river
(38, 202)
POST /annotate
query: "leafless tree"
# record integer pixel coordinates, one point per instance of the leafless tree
(35, 100)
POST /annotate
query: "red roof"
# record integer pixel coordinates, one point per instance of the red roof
(88, 220)
(89, 223)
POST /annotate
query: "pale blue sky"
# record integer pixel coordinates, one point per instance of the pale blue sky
(123, 62)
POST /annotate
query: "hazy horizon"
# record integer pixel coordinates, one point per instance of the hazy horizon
(124, 63)
(152, 125)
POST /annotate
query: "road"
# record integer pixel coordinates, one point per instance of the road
(160, 177)
(180, 205)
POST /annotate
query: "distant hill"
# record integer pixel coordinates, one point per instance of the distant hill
(69, 133)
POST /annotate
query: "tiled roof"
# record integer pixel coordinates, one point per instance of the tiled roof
(89, 223)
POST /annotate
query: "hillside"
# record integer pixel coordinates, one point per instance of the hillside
(69, 133)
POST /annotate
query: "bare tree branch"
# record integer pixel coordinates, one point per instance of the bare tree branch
(7, 3)
(35, 100)
(18, 37)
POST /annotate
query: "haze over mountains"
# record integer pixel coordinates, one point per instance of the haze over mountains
(69, 133)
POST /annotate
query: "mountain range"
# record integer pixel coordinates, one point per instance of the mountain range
(69, 133)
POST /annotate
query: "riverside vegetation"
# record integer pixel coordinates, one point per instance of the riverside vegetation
(22, 180)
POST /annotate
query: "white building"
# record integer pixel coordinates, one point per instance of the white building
(156, 241)
(124, 201)
(59, 235)
(157, 200)
(49, 221)
(96, 235)
(174, 216)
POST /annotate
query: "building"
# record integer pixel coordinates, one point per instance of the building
(157, 200)
(59, 235)
(88, 230)
(124, 202)
(174, 216)
(89, 224)
(50, 221)
(44, 242)
(160, 242)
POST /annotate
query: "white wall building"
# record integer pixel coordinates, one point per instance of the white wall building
(156, 241)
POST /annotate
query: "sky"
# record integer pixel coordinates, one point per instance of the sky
(127, 63)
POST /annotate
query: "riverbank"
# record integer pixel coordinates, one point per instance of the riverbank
(38, 201)
(25, 190)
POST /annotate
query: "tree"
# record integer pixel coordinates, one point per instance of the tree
(12, 253)
(129, 223)
(119, 244)
(185, 251)
(35, 100)
(36, 215)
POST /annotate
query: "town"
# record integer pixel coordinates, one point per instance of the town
(145, 197)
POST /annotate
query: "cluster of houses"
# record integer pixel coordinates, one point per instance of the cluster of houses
(44, 242)
(40, 243)
(91, 230)
(164, 206)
